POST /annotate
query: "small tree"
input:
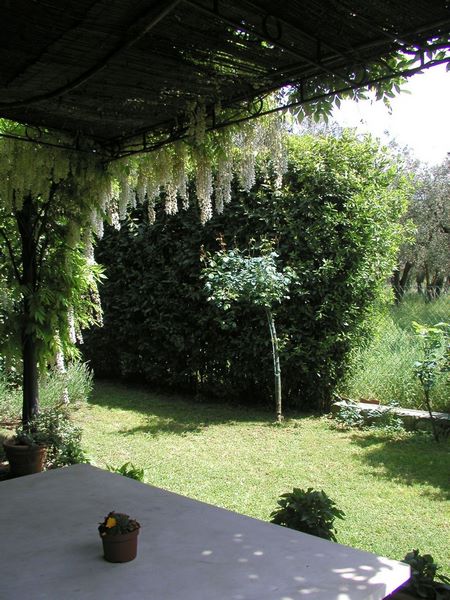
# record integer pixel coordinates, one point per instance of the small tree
(436, 359)
(233, 277)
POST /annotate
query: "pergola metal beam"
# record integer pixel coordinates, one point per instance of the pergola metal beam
(133, 34)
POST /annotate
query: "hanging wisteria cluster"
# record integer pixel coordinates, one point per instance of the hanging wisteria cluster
(210, 160)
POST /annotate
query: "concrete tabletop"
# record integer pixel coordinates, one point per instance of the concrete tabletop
(50, 548)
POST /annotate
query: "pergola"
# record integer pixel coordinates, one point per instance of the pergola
(122, 77)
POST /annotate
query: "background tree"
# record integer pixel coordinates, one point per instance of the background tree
(432, 216)
(426, 255)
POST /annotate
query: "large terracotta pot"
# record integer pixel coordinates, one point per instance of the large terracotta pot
(121, 547)
(24, 459)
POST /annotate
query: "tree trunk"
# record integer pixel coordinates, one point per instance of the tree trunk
(434, 425)
(26, 222)
(276, 365)
(30, 406)
(400, 282)
(420, 278)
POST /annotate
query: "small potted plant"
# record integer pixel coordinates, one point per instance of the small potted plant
(26, 451)
(119, 536)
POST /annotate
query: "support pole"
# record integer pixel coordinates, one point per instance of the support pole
(276, 364)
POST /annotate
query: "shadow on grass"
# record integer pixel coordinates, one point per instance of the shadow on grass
(171, 414)
(411, 459)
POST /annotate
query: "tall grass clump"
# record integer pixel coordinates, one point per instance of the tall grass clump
(383, 368)
(76, 384)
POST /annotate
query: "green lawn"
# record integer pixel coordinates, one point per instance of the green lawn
(394, 491)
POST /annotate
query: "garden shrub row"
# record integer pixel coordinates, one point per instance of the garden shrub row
(334, 222)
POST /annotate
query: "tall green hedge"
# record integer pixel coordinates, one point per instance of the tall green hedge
(334, 222)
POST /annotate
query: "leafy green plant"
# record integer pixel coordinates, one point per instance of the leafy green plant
(348, 415)
(55, 430)
(117, 523)
(423, 574)
(230, 276)
(308, 511)
(384, 418)
(128, 469)
(436, 359)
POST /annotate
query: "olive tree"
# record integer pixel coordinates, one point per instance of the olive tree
(425, 254)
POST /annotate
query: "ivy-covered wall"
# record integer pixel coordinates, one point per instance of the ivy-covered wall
(334, 222)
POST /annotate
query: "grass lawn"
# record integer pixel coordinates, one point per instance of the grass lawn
(394, 490)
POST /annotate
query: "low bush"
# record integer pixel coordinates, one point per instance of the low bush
(308, 511)
(62, 438)
(128, 469)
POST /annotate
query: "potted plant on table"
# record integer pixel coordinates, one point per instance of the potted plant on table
(119, 536)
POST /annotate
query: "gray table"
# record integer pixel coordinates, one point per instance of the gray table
(188, 550)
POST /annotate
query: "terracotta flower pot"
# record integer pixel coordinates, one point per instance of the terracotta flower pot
(23, 459)
(121, 547)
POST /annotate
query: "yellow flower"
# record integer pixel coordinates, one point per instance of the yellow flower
(110, 522)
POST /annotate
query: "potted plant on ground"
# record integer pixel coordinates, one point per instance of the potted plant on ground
(50, 439)
(26, 451)
(119, 536)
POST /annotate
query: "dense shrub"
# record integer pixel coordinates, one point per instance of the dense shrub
(333, 223)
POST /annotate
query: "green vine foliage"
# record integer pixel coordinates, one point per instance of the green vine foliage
(334, 223)
(66, 281)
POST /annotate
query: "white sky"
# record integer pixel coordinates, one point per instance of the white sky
(420, 120)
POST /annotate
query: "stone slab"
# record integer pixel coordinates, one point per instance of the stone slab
(408, 415)
(50, 548)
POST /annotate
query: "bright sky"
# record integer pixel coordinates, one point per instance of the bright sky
(420, 120)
